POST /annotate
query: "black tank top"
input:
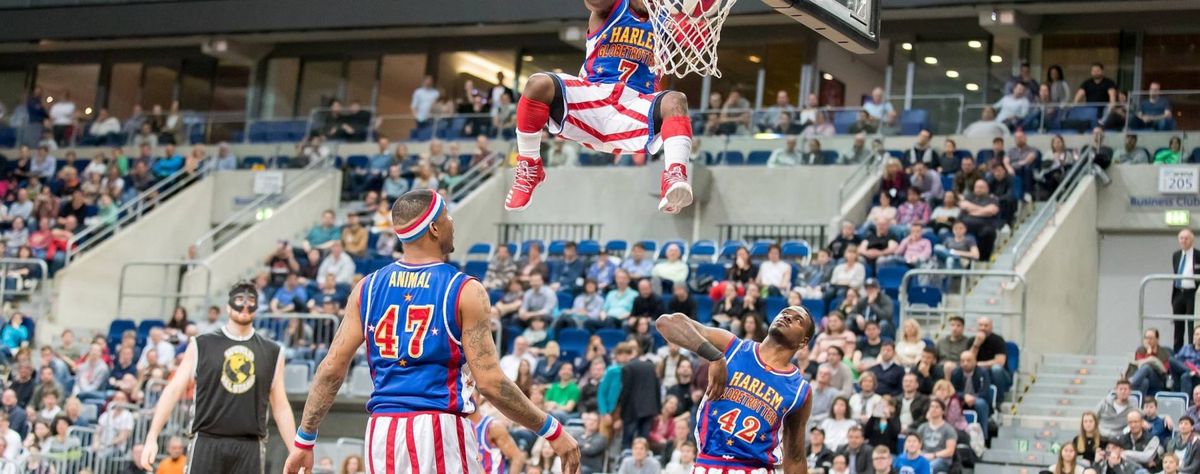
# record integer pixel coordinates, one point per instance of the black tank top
(233, 385)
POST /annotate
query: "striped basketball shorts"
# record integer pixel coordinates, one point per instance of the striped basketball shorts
(421, 442)
(698, 469)
(606, 117)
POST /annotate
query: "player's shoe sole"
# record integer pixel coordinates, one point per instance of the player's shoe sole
(677, 197)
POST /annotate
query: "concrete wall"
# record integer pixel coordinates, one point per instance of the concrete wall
(245, 252)
(1061, 273)
(1126, 259)
(236, 188)
(88, 287)
(1138, 181)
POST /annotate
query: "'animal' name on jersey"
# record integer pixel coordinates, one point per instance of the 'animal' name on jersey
(758, 388)
(408, 280)
(632, 36)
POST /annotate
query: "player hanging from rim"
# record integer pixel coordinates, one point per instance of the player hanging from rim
(754, 391)
(429, 347)
(614, 107)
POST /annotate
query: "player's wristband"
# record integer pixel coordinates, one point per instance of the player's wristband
(305, 441)
(551, 429)
(708, 351)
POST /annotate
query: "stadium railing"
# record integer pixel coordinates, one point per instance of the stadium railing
(1046, 210)
(1064, 117)
(1186, 101)
(940, 113)
(443, 126)
(168, 295)
(304, 335)
(814, 234)
(28, 286)
(1144, 316)
(509, 232)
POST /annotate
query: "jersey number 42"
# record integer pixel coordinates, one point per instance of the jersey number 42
(416, 324)
(749, 426)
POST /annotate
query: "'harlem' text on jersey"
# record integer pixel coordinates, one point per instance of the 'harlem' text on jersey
(622, 51)
(410, 319)
(740, 430)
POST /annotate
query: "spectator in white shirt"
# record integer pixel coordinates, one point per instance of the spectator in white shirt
(786, 156)
(774, 274)
(43, 165)
(877, 107)
(1013, 107)
(113, 428)
(672, 269)
(12, 440)
(423, 99)
(158, 341)
(687, 459)
(22, 207)
(987, 126)
(511, 364)
(339, 263)
(212, 322)
(62, 117)
(105, 129)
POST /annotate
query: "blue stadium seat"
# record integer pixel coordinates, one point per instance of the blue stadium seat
(913, 120)
(897, 154)
(829, 157)
(555, 249)
(713, 271)
(588, 248)
(1193, 158)
(512, 250)
(759, 157)
(143, 329)
(704, 306)
(774, 305)
(650, 246)
(476, 268)
(358, 162)
(495, 295)
(616, 248)
(526, 244)
(8, 137)
(572, 341)
(843, 119)
(795, 249)
(815, 307)
(702, 250)
(947, 182)
(729, 248)
(118, 327)
(1088, 114)
(1013, 359)
(252, 161)
(479, 250)
(682, 244)
(565, 300)
(611, 337)
(759, 250)
(926, 295)
(984, 155)
(731, 158)
(889, 276)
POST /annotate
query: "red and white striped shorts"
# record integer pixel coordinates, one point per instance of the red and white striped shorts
(421, 442)
(698, 469)
(609, 118)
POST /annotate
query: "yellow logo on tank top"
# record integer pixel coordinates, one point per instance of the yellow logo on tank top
(237, 372)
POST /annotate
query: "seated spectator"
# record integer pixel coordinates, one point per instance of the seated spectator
(1130, 153)
(914, 250)
(823, 394)
(868, 347)
(874, 306)
(894, 181)
(858, 152)
(926, 182)
(814, 277)
(877, 106)
(879, 243)
(1172, 155)
(914, 459)
(641, 461)
(394, 185)
(972, 386)
(883, 210)
(1159, 426)
(820, 456)
(1100, 154)
(774, 274)
(1154, 111)
(808, 114)
(548, 365)
(662, 429)
(1112, 411)
(672, 269)
(786, 156)
(1013, 107)
(820, 127)
(647, 304)
(532, 263)
(338, 263)
(1185, 440)
(354, 236)
(842, 377)
(835, 335)
(888, 374)
(911, 405)
(921, 151)
(618, 304)
(863, 123)
(981, 212)
(1171, 464)
(323, 234)
(958, 249)
(837, 426)
(505, 309)
(913, 209)
(687, 457)
(587, 306)
(943, 391)
(539, 302)
(866, 403)
(849, 274)
(881, 456)
(1053, 168)
(1113, 461)
(289, 298)
(681, 302)
(168, 164)
(967, 174)
(812, 154)
(638, 265)
(568, 275)
(855, 454)
(1088, 443)
(890, 125)
(1000, 181)
(948, 161)
(987, 126)
(938, 438)
(1148, 371)
(1138, 445)
(501, 269)
(114, 428)
(602, 271)
(910, 345)
(847, 238)
(1185, 365)
(104, 130)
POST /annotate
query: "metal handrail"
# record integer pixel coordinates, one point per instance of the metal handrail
(852, 183)
(476, 175)
(163, 296)
(132, 210)
(1033, 226)
(1142, 316)
(306, 176)
(963, 308)
(43, 285)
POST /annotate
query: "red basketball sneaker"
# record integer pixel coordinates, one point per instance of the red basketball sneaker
(526, 177)
(676, 191)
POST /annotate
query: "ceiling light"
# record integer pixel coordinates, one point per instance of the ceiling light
(527, 58)
(49, 99)
(87, 111)
(975, 44)
(997, 59)
(971, 86)
(754, 59)
(952, 74)
(906, 46)
(827, 76)
(930, 60)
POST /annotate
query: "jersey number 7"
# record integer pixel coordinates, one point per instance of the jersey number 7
(749, 429)
(416, 323)
(627, 69)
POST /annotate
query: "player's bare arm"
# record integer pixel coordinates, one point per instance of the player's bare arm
(329, 378)
(281, 409)
(166, 403)
(498, 433)
(481, 355)
(705, 341)
(795, 457)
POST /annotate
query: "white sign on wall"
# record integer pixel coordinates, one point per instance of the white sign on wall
(268, 182)
(1179, 180)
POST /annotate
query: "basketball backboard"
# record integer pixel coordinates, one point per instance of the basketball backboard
(852, 24)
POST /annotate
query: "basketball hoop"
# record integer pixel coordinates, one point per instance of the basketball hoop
(686, 33)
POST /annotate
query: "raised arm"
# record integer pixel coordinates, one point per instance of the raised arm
(166, 403)
(281, 409)
(481, 355)
(795, 457)
(707, 342)
(329, 378)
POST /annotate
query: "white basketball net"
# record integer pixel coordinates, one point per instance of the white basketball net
(686, 33)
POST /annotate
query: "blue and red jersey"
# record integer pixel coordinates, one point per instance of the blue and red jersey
(489, 455)
(742, 429)
(622, 51)
(410, 320)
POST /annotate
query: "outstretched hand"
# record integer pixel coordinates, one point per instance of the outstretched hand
(717, 372)
(568, 451)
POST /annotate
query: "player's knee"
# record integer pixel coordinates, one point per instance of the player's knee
(673, 104)
(539, 87)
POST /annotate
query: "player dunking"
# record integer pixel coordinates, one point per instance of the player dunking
(760, 392)
(613, 108)
(422, 320)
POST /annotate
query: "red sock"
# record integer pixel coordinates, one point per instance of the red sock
(679, 125)
(531, 115)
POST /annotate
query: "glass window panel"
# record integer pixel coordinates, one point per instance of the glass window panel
(945, 72)
(195, 87)
(1162, 62)
(78, 79)
(279, 95)
(318, 85)
(12, 90)
(124, 85)
(158, 86)
(1076, 53)
(402, 73)
(477, 68)
(360, 81)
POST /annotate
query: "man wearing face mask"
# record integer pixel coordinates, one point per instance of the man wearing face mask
(237, 374)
